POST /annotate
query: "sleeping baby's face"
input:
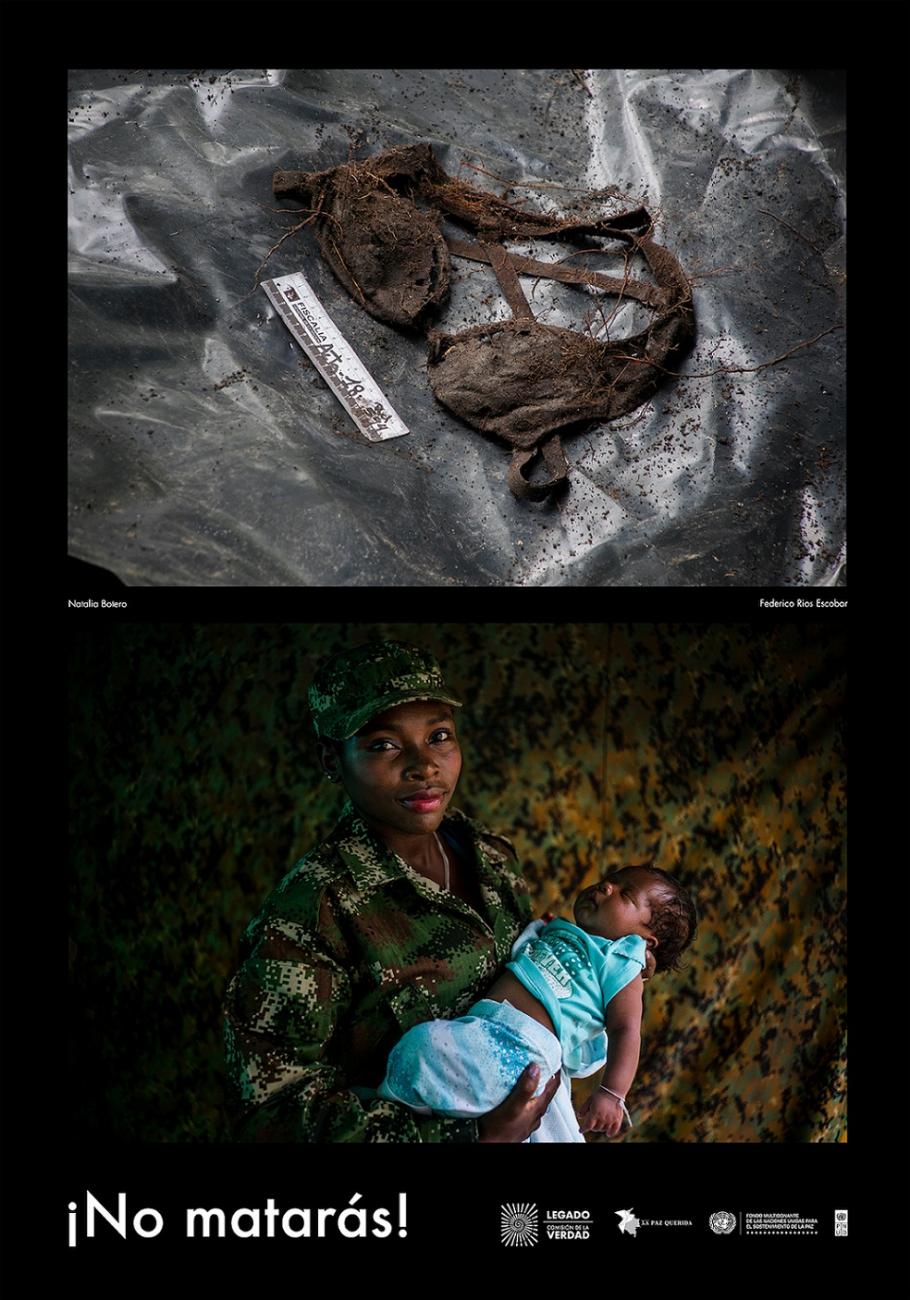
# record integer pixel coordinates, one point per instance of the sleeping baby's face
(619, 906)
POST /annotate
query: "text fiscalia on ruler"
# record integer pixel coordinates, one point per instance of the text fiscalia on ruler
(333, 357)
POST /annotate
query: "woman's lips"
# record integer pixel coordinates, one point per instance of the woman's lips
(424, 801)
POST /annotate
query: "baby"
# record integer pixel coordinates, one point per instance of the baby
(564, 987)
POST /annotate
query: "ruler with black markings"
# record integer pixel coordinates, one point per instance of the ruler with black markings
(333, 357)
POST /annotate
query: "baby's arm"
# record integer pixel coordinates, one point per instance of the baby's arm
(602, 1112)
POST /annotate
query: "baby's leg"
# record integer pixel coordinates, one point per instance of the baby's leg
(466, 1067)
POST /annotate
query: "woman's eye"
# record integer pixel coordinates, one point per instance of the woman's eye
(378, 746)
(442, 734)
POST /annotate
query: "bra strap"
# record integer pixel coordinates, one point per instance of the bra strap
(555, 460)
(650, 294)
(508, 281)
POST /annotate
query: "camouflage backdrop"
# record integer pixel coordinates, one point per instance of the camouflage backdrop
(715, 750)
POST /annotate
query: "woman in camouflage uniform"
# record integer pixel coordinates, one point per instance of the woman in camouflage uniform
(405, 913)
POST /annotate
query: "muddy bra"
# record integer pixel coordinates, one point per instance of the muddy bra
(521, 381)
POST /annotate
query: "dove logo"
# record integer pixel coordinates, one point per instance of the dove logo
(627, 1222)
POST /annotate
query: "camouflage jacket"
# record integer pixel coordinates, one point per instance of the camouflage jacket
(349, 951)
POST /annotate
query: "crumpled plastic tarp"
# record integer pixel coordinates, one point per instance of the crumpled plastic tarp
(206, 450)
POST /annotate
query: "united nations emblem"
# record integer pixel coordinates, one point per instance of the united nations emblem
(722, 1222)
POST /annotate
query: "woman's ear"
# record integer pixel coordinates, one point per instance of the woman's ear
(328, 760)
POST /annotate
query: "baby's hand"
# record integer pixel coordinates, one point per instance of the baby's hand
(601, 1113)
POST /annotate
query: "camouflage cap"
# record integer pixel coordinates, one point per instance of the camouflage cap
(355, 685)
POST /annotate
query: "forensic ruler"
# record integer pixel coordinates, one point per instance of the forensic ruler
(333, 357)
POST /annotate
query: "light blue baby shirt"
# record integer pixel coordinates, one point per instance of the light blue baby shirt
(575, 975)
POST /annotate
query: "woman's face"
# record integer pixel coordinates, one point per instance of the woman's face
(400, 770)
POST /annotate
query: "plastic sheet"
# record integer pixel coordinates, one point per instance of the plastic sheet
(206, 450)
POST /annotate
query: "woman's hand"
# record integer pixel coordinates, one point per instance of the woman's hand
(520, 1114)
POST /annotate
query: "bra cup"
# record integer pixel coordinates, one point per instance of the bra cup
(388, 254)
(521, 382)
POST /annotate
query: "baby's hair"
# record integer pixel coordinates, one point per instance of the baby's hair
(674, 919)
